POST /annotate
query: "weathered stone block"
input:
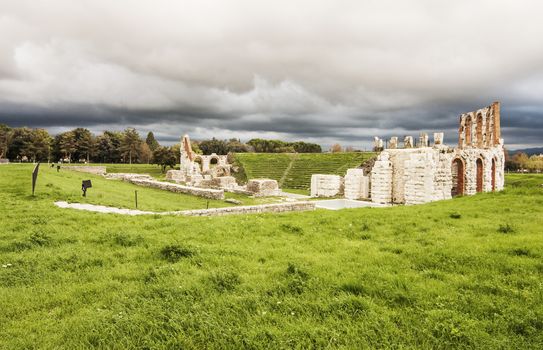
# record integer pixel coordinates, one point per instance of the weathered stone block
(263, 187)
(323, 185)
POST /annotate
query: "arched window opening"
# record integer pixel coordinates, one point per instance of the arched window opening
(458, 175)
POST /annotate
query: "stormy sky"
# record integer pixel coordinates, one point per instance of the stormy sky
(323, 71)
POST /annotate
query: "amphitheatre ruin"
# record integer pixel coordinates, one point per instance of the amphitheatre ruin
(418, 172)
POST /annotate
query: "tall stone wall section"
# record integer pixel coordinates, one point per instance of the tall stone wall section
(381, 179)
(357, 185)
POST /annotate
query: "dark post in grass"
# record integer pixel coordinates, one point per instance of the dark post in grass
(136, 197)
(207, 205)
(35, 177)
(84, 185)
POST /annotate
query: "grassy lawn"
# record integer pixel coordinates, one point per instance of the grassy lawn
(66, 186)
(463, 273)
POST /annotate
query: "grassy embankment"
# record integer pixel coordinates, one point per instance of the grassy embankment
(463, 273)
(293, 171)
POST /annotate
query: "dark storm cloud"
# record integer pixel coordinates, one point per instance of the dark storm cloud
(324, 71)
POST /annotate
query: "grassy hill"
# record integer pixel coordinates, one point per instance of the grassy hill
(294, 170)
(464, 273)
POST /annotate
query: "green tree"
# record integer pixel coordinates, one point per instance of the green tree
(214, 146)
(108, 147)
(130, 144)
(84, 144)
(164, 156)
(66, 145)
(151, 141)
(5, 136)
(20, 147)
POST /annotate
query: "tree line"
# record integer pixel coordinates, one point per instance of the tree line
(520, 161)
(81, 145)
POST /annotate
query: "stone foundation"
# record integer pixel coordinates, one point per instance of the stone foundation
(167, 186)
(96, 170)
(252, 209)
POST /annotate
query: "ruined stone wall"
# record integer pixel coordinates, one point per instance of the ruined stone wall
(96, 170)
(357, 185)
(167, 186)
(252, 209)
(263, 187)
(381, 179)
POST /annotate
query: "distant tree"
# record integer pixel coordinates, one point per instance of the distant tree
(108, 147)
(130, 144)
(336, 148)
(164, 156)
(145, 153)
(213, 146)
(267, 146)
(195, 147)
(5, 136)
(349, 149)
(520, 160)
(305, 147)
(85, 144)
(151, 141)
(236, 146)
(66, 144)
(41, 145)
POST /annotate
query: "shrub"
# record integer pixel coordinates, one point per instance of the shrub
(455, 215)
(506, 229)
(39, 239)
(354, 288)
(125, 240)
(174, 253)
(292, 229)
(225, 281)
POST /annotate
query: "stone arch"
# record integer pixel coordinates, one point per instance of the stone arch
(479, 175)
(213, 161)
(467, 128)
(479, 130)
(458, 171)
(493, 174)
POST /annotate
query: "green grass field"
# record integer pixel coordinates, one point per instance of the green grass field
(293, 171)
(462, 273)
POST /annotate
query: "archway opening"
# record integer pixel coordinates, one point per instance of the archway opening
(479, 130)
(479, 185)
(458, 174)
(468, 131)
(493, 174)
(213, 162)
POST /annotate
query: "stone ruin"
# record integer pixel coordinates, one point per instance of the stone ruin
(420, 173)
(214, 172)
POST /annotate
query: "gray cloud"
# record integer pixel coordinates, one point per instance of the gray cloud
(324, 71)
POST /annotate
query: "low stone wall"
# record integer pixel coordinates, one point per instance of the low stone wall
(96, 170)
(252, 209)
(4, 161)
(175, 175)
(167, 186)
(124, 176)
